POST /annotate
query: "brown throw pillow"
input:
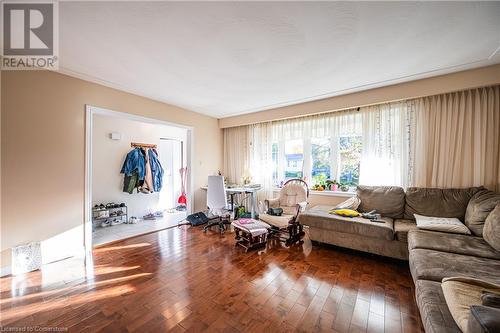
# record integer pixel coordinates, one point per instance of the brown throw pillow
(491, 230)
(478, 209)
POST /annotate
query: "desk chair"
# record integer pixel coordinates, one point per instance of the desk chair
(217, 203)
(293, 200)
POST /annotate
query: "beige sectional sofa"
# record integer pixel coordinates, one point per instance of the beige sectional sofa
(432, 255)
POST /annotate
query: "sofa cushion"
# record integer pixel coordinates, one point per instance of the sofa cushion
(434, 265)
(478, 209)
(450, 202)
(450, 225)
(389, 201)
(434, 312)
(453, 243)
(491, 231)
(319, 217)
(402, 227)
(461, 293)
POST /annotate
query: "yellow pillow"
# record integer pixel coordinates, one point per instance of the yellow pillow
(345, 212)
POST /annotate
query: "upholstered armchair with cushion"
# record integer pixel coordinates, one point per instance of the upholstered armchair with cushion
(293, 200)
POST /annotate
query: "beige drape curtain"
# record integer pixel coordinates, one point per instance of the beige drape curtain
(456, 139)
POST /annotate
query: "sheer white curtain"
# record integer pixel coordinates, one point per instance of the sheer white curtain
(236, 153)
(385, 158)
(450, 140)
(260, 152)
(326, 125)
(457, 139)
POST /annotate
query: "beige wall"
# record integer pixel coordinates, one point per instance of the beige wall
(43, 152)
(474, 78)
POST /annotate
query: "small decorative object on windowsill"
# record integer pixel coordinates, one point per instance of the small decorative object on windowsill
(344, 188)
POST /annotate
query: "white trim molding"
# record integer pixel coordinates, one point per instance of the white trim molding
(90, 111)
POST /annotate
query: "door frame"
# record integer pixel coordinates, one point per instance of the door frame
(90, 111)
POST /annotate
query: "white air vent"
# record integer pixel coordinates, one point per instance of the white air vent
(26, 258)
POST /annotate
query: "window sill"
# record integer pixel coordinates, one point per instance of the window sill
(333, 193)
(327, 193)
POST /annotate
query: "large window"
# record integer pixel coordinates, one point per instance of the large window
(318, 160)
(321, 161)
(294, 159)
(349, 158)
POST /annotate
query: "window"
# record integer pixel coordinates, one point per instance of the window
(317, 160)
(274, 156)
(294, 159)
(349, 159)
(321, 162)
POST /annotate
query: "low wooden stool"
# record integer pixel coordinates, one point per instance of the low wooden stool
(250, 233)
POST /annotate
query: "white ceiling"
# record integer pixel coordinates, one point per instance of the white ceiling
(231, 58)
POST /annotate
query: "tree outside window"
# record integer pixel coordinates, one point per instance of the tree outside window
(321, 166)
(350, 156)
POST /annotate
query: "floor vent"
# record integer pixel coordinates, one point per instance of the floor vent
(26, 258)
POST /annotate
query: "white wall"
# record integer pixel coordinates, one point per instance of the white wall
(108, 156)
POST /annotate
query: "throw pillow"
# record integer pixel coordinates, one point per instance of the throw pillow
(460, 293)
(478, 209)
(351, 203)
(490, 299)
(491, 231)
(444, 224)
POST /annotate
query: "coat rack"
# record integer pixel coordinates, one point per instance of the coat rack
(142, 145)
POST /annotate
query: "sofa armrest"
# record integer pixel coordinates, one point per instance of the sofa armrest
(483, 319)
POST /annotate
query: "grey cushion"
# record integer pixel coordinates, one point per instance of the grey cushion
(437, 202)
(434, 265)
(319, 217)
(402, 227)
(481, 204)
(491, 231)
(389, 201)
(483, 319)
(453, 243)
(434, 312)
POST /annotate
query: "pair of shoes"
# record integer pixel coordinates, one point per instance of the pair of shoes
(116, 222)
(132, 220)
(106, 223)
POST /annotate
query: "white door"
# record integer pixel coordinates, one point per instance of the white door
(169, 152)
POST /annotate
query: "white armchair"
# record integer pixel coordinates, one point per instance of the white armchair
(293, 200)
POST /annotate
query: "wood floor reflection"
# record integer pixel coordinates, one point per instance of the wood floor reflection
(184, 280)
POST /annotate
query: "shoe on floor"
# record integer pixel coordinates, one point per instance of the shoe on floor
(116, 222)
(106, 223)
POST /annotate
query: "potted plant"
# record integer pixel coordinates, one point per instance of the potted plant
(344, 187)
(332, 185)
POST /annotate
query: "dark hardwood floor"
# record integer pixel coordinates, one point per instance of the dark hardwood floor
(184, 280)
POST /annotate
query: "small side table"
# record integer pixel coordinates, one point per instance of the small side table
(250, 233)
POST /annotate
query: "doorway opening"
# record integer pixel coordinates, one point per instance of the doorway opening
(132, 175)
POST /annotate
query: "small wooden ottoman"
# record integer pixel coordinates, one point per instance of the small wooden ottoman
(250, 233)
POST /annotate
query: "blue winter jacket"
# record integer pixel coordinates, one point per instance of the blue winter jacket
(135, 161)
(156, 170)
